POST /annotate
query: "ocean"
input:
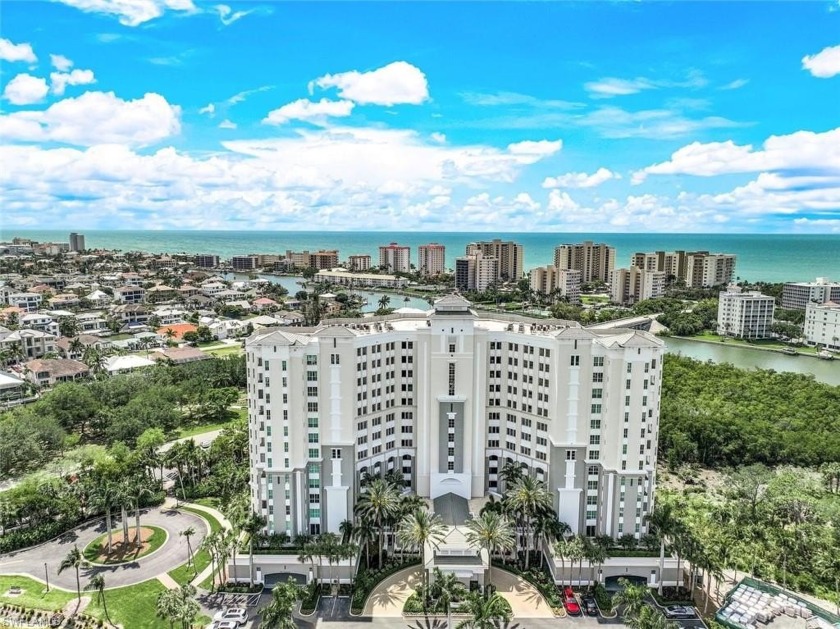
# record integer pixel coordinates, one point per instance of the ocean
(767, 257)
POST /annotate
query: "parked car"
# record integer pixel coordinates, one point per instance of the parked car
(238, 615)
(570, 602)
(224, 624)
(680, 611)
(589, 605)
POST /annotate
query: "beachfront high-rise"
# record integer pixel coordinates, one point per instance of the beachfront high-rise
(510, 256)
(745, 314)
(77, 242)
(797, 295)
(628, 286)
(475, 271)
(698, 269)
(553, 283)
(444, 399)
(394, 258)
(431, 259)
(595, 261)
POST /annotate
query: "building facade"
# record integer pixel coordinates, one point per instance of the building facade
(431, 259)
(698, 269)
(797, 295)
(395, 258)
(207, 261)
(510, 256)
(244, 263)
(745, 314)
(345, 278)
(359, 263)
(445, 399)
(553, 283)
(595, 261)
(628, 286)
(476, 272)
(822, 325)
(77, 242)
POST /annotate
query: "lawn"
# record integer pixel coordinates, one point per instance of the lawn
(234, 350)
(766, 344)
(152, 537)
(200, 429)
(34, 594)
(213, 503)
(184, 574)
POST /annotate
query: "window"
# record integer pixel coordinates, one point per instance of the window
(336, 453)
(313, 453)
(571, 455)
(335, 359)
(312, 407)
(594, 440)
(312, 376)
(311, 391)
(311, 359)
(598, 376)
(629, 367)
(451, 378)
(575, 360)
(594, 455)
(597, 394)
(313, 422)
(313, 437)
(597, 361)
(596, 408)
(595, 424)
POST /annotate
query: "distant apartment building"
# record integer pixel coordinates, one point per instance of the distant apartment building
(244, 263)
(346, 278)
(628, 286)
(698, 269)
(207, 261)
(554, 283)
(510, 256)
(323, 259)
(395, 258)
(595, 261)
(797, 295)
(50, 248)
(267, 259)
(30, 302)
(431, 259)
(476, 272)
(77, 242)
(129, 295)
(744, 314)
(822, 324)
(359, 263)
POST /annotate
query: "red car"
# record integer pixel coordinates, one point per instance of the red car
(570, 602)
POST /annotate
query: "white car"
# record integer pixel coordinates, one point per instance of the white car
(237, 615)
(224, 624)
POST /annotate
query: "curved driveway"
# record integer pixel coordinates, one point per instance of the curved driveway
(171, 555)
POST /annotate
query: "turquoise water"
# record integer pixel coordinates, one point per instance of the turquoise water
(769, 257)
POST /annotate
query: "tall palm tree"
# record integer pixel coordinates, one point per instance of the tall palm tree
(364, 533)
(73, 559)
(485, 612)
(97, 583)
(384, 302)
(528, 496)
(309, 552)
(380, 502)
(278, 613)
(664, 524)
(631, 596)
(447, 589)
(187, 533)
(346, 530)
(420, 528)
(253, 524)
(562, 550)
(510, 473)
(575, 550)
(492, 532)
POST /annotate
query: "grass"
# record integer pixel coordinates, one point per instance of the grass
(212, 503)
(95, 551)
(226, 351)
(765, 344)
(34, 594)
(184, 573)
(200, 429)
(594, 299)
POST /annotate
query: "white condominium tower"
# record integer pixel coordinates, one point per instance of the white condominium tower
(510, 256)
(445, 399)
(595, 261)
(395, 258)
(431, 259)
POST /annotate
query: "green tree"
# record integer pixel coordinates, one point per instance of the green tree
(187, 533)
(528, 496)
(73, 559)
(97, 584)
(379, 502)
(492, 532)
(278, 613)
(663, 522)
(485, 613)
(253, 525)
(631, 598)
(420, 528)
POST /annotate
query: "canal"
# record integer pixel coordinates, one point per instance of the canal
(827, 371)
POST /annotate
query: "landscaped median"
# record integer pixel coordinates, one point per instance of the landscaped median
(186, 572)
(541, 580)
(151, 539)
(367, 580)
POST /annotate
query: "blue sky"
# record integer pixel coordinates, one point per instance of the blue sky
(567, 116)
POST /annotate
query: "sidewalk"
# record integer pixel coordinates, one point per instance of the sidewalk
(202, 576)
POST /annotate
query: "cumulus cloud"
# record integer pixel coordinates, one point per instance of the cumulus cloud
(61, 63)
(95, 118)
(310, 111)
(16, 52)
(801, 150)
(609, 87)
(227, 15)
(208, 109)
(394, 84)
(132, 12)
(227, 124)
(541, 148)
(25, 89)
(60, 80)
(825, 64)
(580, 180)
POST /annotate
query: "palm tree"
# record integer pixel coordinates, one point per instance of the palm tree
(420, 528)
(140, 489)
(278, 613)
(379, 502)
(364, 533)
(575, 552)
(384, 302)
(346, 530)
(74, 559)
(528, 496)
(168, 606)
(188, 533)
(664, 523)
(309, 552)
(486, 612)
(492, 532)
(632, 596)
(447, 589)
(97, 583)
(510, 473)
(253, 524)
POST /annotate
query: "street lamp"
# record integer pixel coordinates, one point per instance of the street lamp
(47, 576)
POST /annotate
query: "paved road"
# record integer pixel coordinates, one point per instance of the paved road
(173, 553)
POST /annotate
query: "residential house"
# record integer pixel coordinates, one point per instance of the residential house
(47, 372)
(91, 322)
(129, 295)
(66, 346)
(30, 302)
(179, 355)
(39, 321)
(98, 299)
(131, 315)
(117, 364)
(12, 388)
(64, 300)
(175, 331)
(160, 293)
(32, 343)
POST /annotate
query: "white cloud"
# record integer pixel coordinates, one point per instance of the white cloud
(309, 111)
(227, 15)
(561, 202)
(800, 150)
(609, 87)
(440, 138)
(60, 80)
(16, 52)
(209, 109)
(396, 83)
(95, 118)
(132, 12)
(25, 89)
(227, 124)
(580, 180)
(825, 64)
(61, 63)
(735, 85)
(541, 148)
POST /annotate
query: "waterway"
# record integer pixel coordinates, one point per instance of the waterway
(827, 371)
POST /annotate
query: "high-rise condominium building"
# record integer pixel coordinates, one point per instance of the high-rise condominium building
(444, 399)
(431, 259)
(552, 283)
(358, 263)
(77, 242)
(395, 258)
(207, 261)
(797, 295)
(476, 271)
(822, 324)
(595, 261)
(745, 314)
(627, 286)
(509, 254)
(244, 263)
(323, 259)
(698, 269)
